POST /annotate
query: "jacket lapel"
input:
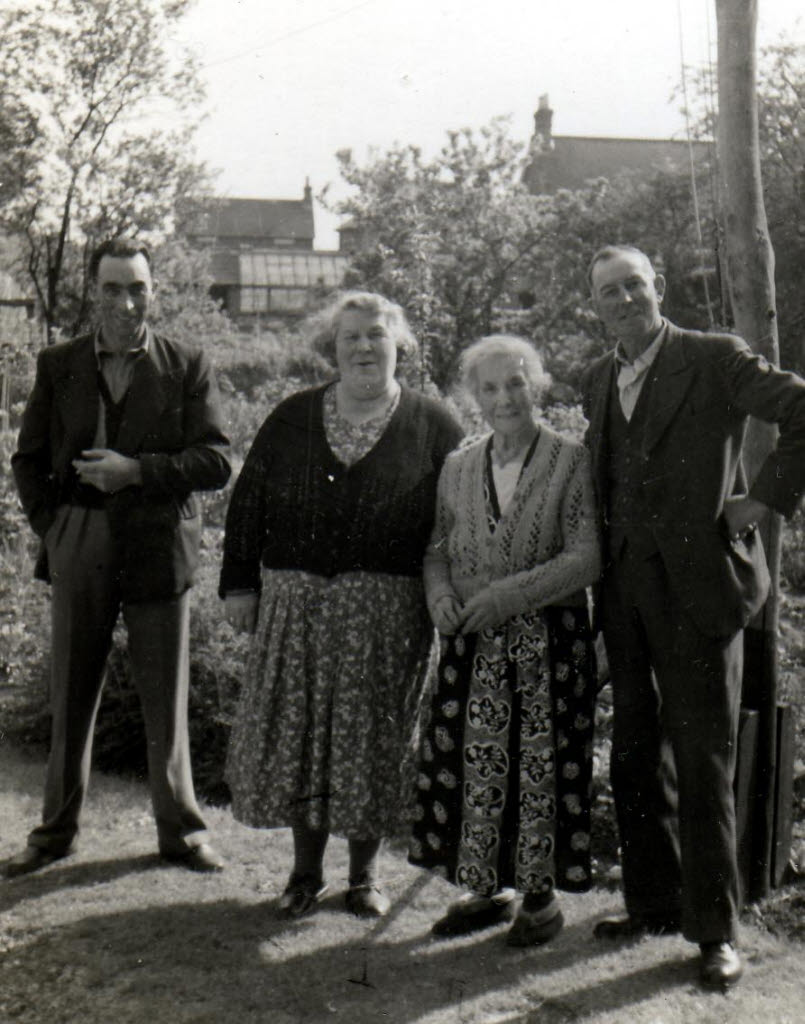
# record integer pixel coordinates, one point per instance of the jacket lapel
(670, 376)
(77, 393)
(599, 411)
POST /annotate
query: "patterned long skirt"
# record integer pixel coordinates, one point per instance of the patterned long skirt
(505, 771)
(323, 735)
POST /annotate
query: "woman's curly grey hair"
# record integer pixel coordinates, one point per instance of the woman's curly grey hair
(503, 345)
(324, 325)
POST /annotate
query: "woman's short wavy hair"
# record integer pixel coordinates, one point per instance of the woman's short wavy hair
(503, 345)
(324, 325)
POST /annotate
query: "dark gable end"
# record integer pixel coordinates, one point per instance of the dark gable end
(262, 221)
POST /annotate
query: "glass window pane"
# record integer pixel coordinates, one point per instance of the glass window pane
(253, 300)
(288, 300)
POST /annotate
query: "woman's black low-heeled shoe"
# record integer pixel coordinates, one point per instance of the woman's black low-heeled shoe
(471, 913)
(536, 927)
(367, 901)
(301, 895)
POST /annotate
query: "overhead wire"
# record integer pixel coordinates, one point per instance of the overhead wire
(692, 163)
(711, 107)
(266, 44)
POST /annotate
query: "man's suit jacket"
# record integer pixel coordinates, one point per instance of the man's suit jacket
(171, 423)
(703, 388)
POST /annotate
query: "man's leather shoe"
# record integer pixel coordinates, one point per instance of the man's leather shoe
(31, 859)
(198, 858)
(633, 927)
(721, 966)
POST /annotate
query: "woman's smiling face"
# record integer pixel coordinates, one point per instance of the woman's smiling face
(365, 353)
(504, 394)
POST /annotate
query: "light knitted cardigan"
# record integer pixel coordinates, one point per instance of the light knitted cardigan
(545, 548)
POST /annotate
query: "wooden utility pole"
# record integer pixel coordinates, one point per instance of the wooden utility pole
(750, 280)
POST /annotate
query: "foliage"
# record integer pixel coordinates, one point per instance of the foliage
(781, 115)
(467, 251)
(781, 135)
(444, 238)
(183, 307)
(24, 606)
(251, 363)
(793, 551)
(654, 212)
(459, 242)
(80, 159)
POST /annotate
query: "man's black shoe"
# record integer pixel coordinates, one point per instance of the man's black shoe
(200, 858)
(31, 859)
(720, 965)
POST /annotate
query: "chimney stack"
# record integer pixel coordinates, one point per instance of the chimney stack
(543, 120)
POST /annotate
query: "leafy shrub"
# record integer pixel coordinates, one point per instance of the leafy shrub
(567, 419)
(793, 551)
(24, 606)
(246, 363)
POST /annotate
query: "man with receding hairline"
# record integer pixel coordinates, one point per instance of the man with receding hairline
(684, 571)
(121, 427)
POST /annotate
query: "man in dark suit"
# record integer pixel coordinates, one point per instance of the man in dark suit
(684, 572)
(121, 427)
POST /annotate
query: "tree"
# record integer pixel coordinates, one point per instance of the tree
(760, 125)
(466, 250)
(750, 277)
(183, 306)
(781, 142)
(781, 132)
(655, 213)
(80, 83)
(446, 238)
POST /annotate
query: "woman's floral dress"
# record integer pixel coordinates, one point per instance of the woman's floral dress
(325, 724)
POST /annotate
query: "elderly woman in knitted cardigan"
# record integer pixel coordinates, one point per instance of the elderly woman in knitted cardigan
(506, 761)
(325, 537)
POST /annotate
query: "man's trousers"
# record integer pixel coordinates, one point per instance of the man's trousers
(676, 700)
(86, 602)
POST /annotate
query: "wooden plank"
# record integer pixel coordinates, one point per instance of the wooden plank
(783, 793)
(745, 786)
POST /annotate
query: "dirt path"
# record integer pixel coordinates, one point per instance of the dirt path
(111, 936)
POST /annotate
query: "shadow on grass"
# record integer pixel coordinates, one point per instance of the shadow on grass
(64, 874)
(228, 960)
(603, 997)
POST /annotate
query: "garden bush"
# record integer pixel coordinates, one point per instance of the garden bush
(793, 551)
(24, 610)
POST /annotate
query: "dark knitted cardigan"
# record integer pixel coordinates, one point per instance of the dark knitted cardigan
(295, 506)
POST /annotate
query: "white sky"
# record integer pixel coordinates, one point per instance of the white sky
(292, 81)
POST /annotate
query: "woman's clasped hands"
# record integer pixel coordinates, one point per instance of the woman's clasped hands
(480, 612)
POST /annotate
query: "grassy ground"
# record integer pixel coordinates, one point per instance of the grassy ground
(112, 935)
